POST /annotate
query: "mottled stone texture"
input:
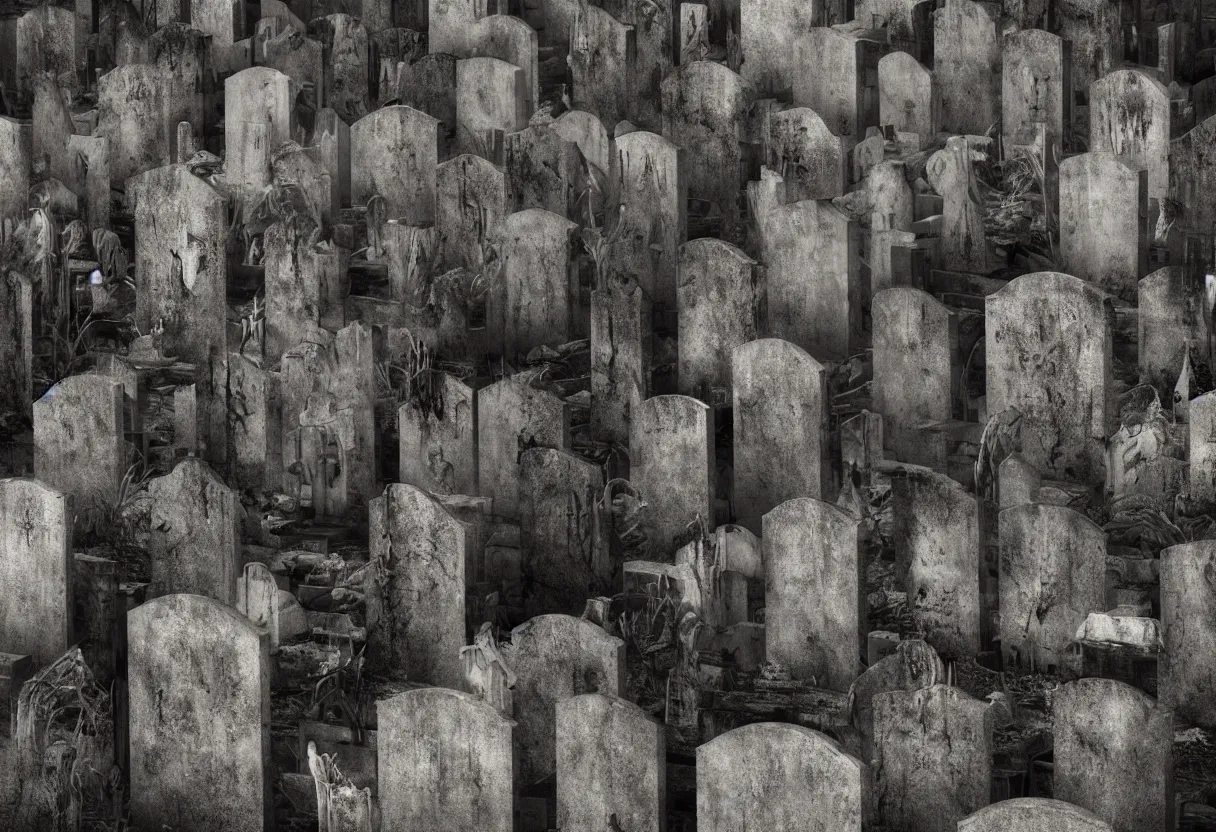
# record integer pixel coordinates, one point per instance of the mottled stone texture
(588, 132)
(35, 570)
(491, 96)
(907, 97)
(416, 610)
(195, 540)
(806, 154)
(671, 454)
(429, 85)
(257, 119)
(1095, 30)
(78, 444)
(914, 665)
(1170, 313)
(964, 245)
(1025, 813)
(915, 377)
(937, 540)
(654, 37)
(1188, 619)
(1129, 115)
(1053, 562)
(603, 57)
(445, 763)
(934, 758)
(554, 658)
(45, 40)
(780, 428)
(183, 61)
(299, 275)
(1114, 754)
(1104, 222)
(199, 676)
(967, 67)
(512, 40)
(1049, 355)
(719, 297)
(766, 27)
(16, 340)
(564, 543)
(813, 592)
(393, 153)
(14, 168)
(470, 204)
(611, 763)
(131, 108)
(770, 775)
(621, 337)
(836, 78)
(1036, 85)
(544, 170)
(255, 430)
(512, 417)
(1018, 481)
(438, 446)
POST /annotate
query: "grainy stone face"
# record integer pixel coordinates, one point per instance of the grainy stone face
(589, 133)
(544, 170)
(1022, 813)
(1104, 222)
(45, 40)
(611, 763)
(416, 610)
(16, 342)
(835, 77)
(299, 274)
(765, 24)
(907, 97)
(78, 440)
(131, 105)
(445, 763)
(671, 454)
(1129, 115)
(1192, 175)
(471, 202)
(934, 758)
(1036, 85)
(393, 153)
(603, 53)
(1169, 313)
(780, 439)
(914, 665)
(773, 776)
(1094, 29)
(1053, 562)
(621, 337)
(509, 39)
(183, 60)
(967, 67)
(654, 36)
(438, 447)
(35, 570)
(199, 676)
(257, 119)
(1201, 419)
(1018, 482)
(512, 417)
(1188, 619)
(491, 97)
(14, 168)
(808, 156)
(255, 426)
(1114, 751)
(964, 245)
(554, 658)
(429, 85)
(813, 590)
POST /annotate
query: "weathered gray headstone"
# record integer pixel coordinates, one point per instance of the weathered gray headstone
(36, 539)
(255, 414)
(78, 440)
(809, 158)
(195, 542)
(258, 105)
(1036, 85)
(765, 33)
(621, 346)
(967, 67)
(1129, 115)
(183, 58)
(471, 202)
(300, 273)
(438, 444)
(1104, 222)
(719, 297)
(907, 96)
(837, 78)
(429, 85)
(1188, 622)
(491, 101)
(1095, 30)
(14, 169)
(131, 107)
(1022, 813)
(603, 56)
(544, 170)
(912, 666)
(393, 153)
(509, 39)
(512, 417)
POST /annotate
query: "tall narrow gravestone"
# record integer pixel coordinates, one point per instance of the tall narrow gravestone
(78, 440)
(1188, 622)
(1104, 222)
(35, 564)
(438, 442)
(512, 417)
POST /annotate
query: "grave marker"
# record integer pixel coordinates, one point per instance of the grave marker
(36, 539)
(1104, 222)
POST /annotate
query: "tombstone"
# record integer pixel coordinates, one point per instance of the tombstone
(672, 465)
(509, 39)
(307, 170)
(14, 169)
(300, 275)
(860, 446)
(331, 138)
(810, 160)
(51, 129)
(78, 440)
(964, 245)
(907, 96)
(183, 58)
(649, 194)
(967, 67)
(199, 692)
(471, 203)
(543, 171)
(603, 61)
(438, 443)
(588, 132)
(564, 530)
(445, 763)
(836, 78)
(512, 417)
(1192, 176)
(704, 108)
(1053, 560)
(36, 538)
(449, 23)
(1048, 355)
(780, 428)
(131, 105)
(1129, 115)
(1095, 30)
(621, 347)
(556, 657)
(298, 57)
(1036, 85)
(1022, 813)
(224, 22)
(46, 42)
(937, 542)
(1188, 621)
(257, 119)
(255, 412)
(531, 303)
(934, 758)
(1114, 751)
(90, 177)
(764, 775)
(813, 278)
(611, 763)
(195, 539)
(416, 610)
(912, 666)
(813, 592)
(491, 99)
(915, 377)
(16, 341)
(719, 298)
(1104, 222)
(345, 56)
(694, 33)
(766, 27)
(393, 153)
(429, 85)
(1017, 481)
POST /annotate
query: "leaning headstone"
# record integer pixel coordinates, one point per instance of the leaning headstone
(915, 376)
(672, 464)
(967, 67)
(258, 106)
(131, 115)
(512, 417)
(554, 658)
(491, 101)
(78, 440)
(1188, 621)
(429, 85)
(937, 540)
(611, 764)
(36, 539)
(912, 666)
(933, 764)
(1036, 85)
(1129, 115)
(766, 775)
(588, 132)
(298, 57)
(419, 552)
(1053, 562)
(1022, 813)
(445, 763)
(393, 153)
(438, 439)
(780, 428)
(1114, 754)
(719, 298)
(199, 692)
(1048, 356)
(813, 591)
(470, 204)
(907, 96)
(1104, 222)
